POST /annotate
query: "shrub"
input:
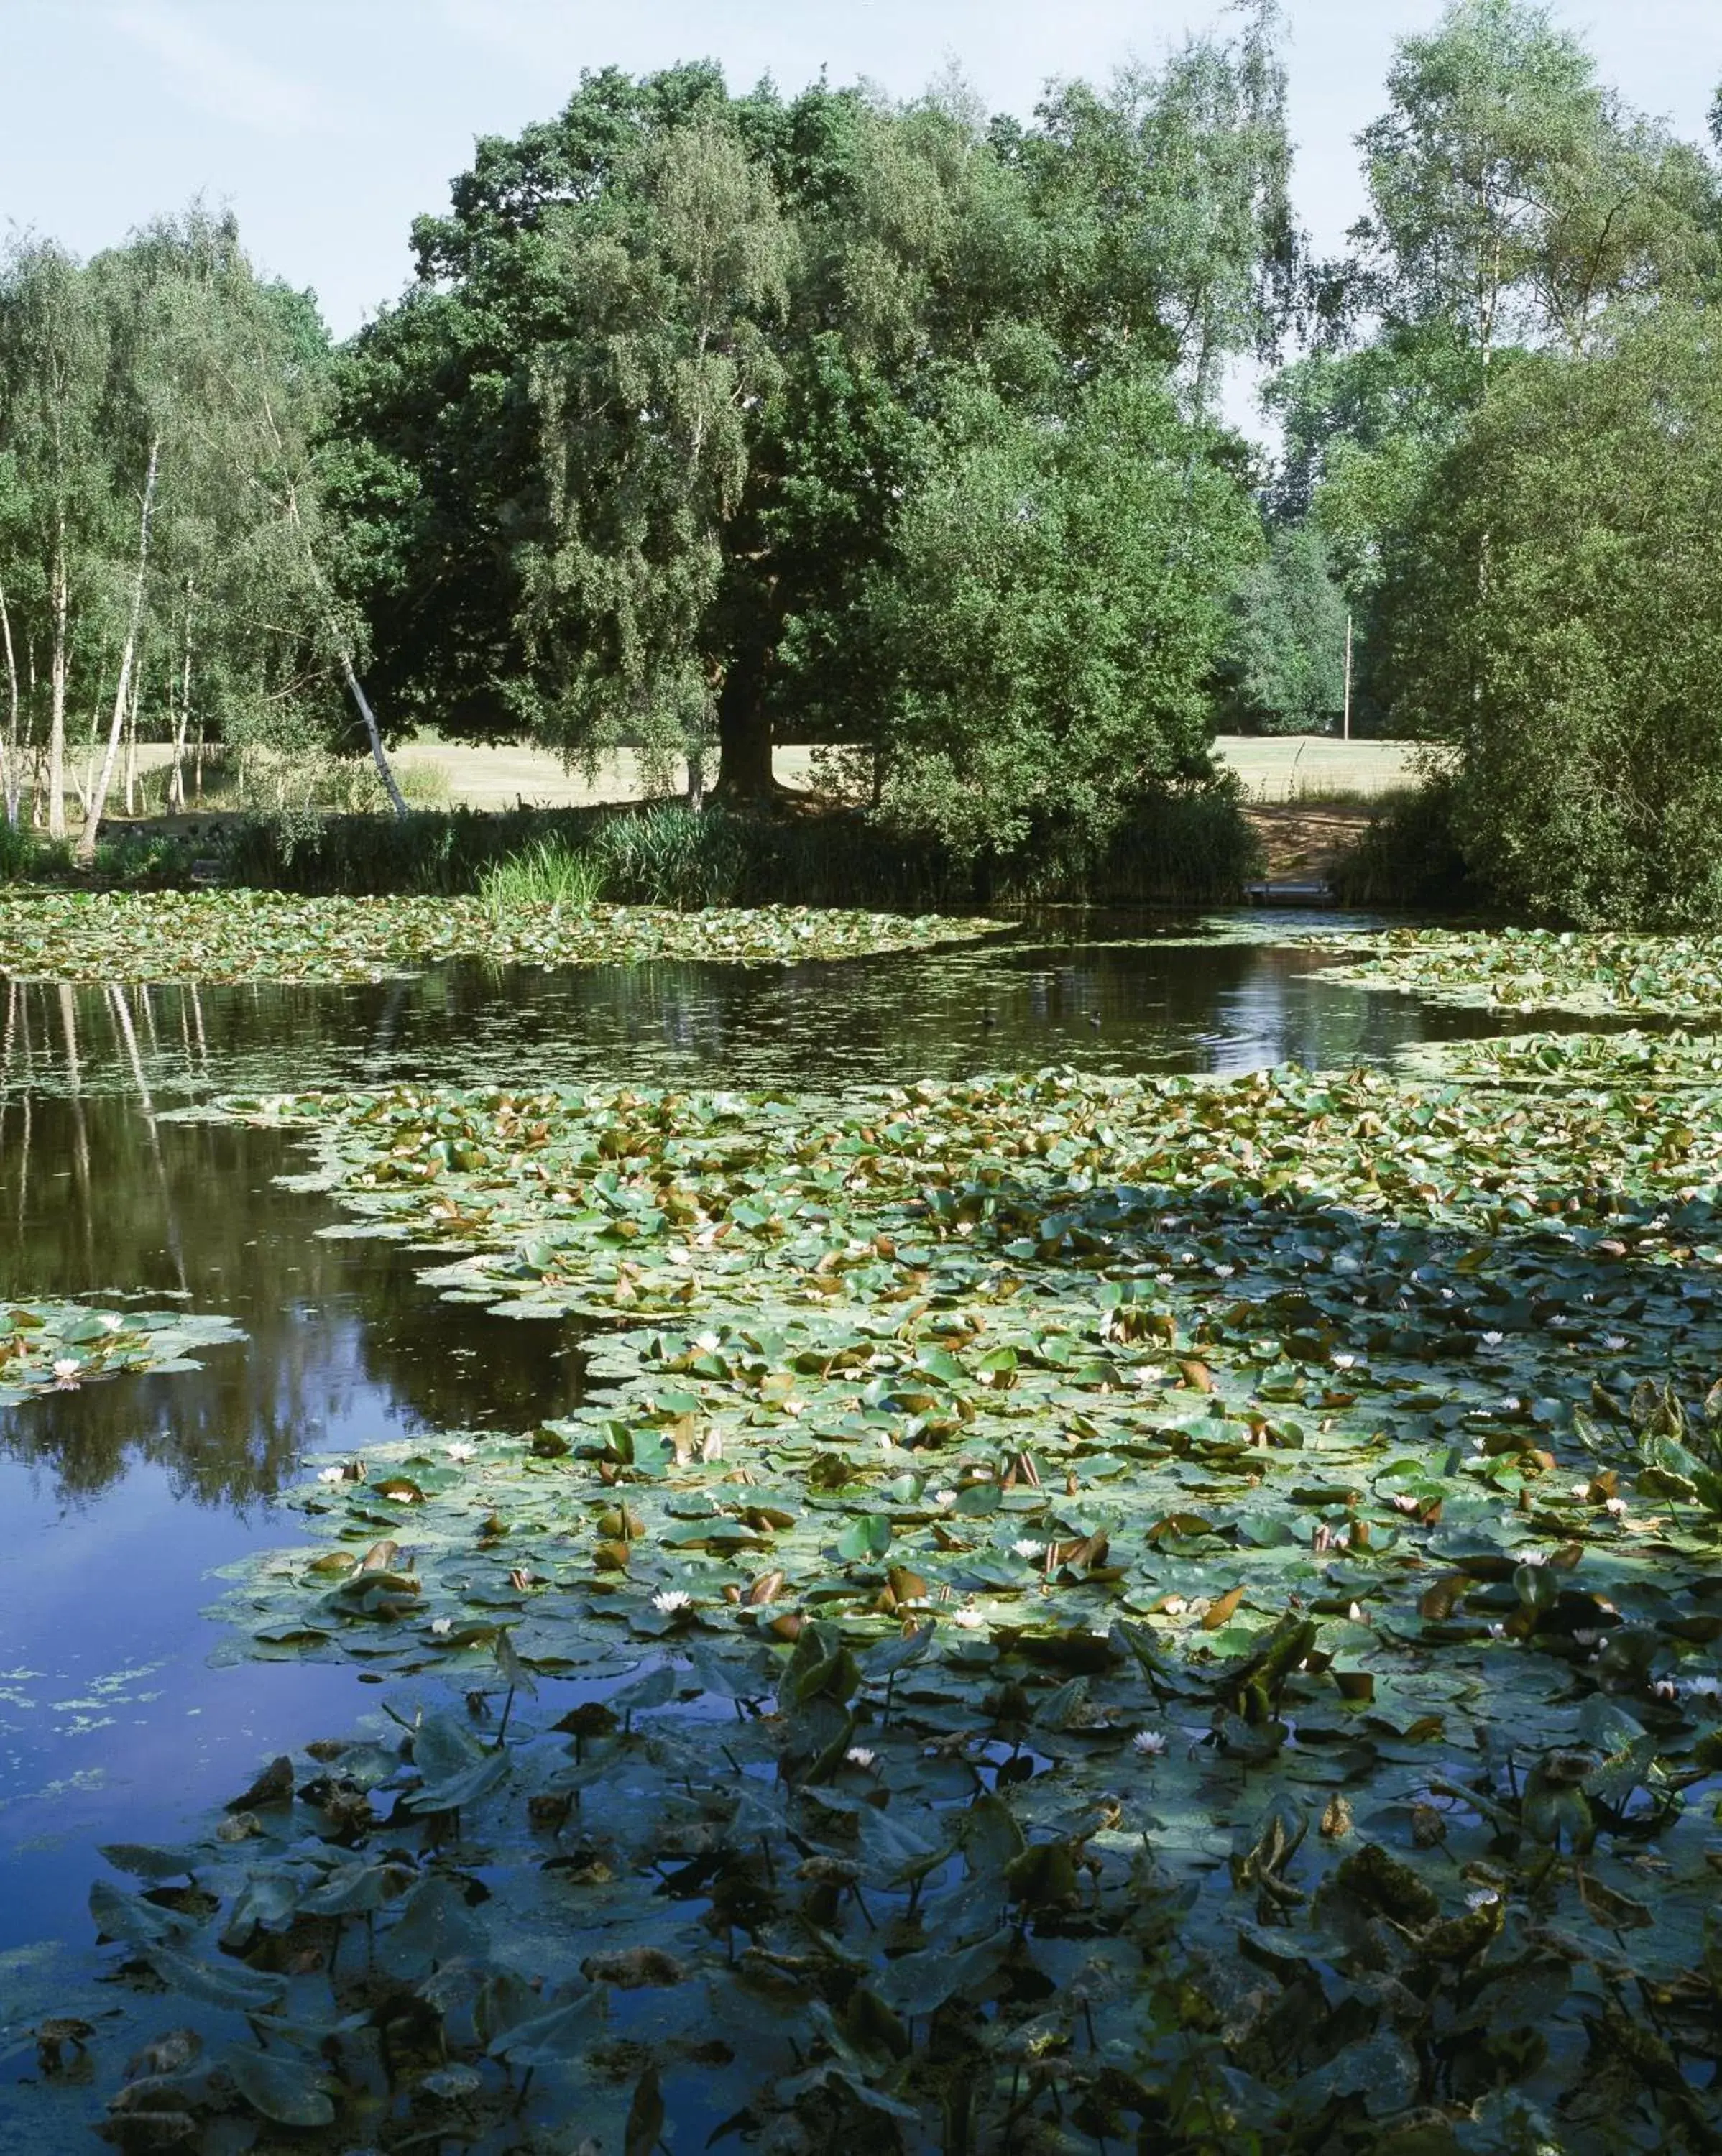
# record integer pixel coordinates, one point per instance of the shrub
(1556, 610)
(1409, 855)
(1190, 845)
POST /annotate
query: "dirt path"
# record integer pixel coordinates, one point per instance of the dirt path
(1302, 839)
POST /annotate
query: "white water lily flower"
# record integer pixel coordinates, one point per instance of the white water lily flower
(1618, 1505)
(671, 1599)
(1149, 1743)
(1028, 1549)
(442, 1625)
(1615, 1342)
(1704, 1691)
(1345, 1361)
(944, 1497)
(971, 1621)
(858, 1755)
(460, 1454)
(1493, 1339)
(112, 1320)
(1579, 1490)
(65, 1371)
(1223, 1272)
(331, 1475)
(1485, 1897)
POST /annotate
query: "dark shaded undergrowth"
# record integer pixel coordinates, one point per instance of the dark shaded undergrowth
(1189, 847)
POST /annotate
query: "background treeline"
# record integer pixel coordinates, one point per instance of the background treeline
(713, 419)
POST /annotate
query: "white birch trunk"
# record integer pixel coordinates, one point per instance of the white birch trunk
(56, 694)
(11, 763)
(98, 801)
(131, 741)
(176, 784)
(378, 754)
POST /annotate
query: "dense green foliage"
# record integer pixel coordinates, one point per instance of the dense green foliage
(1473, 438)
(1187, 844)
(1284, 671)
(715, 418)
(1553, 607)
(165, 561)
(713, 414)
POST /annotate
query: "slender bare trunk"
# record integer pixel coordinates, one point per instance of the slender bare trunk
(86, 844)
(131, 741)
(10, 765)
(176, 784)
(57, 692)
(378, 755)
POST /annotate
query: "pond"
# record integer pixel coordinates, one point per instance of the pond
(119, 1716)
(120, 1500)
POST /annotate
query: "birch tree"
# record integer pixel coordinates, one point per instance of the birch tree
(53, 366)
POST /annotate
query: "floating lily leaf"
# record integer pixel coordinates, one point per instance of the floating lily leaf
(287, 2090)
(262, 935)
(246, 1990)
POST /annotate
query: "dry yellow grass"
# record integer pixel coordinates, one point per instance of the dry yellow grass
(1294, 766)
(1282, 769)
(1289, 767)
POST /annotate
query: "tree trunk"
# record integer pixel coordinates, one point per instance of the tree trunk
(57, 706)
(98, 799)
(176, 784)
(131, 741)
(744, 732)
(10, 762)
(378, 755)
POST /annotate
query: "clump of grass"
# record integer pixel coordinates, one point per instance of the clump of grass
(1409, 854)
(17, 852)
(27, 857)
(551, 873)
(672, 854)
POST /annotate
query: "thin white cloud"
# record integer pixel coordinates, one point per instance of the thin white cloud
(219, 79)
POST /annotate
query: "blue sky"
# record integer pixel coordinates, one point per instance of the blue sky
(330, 124)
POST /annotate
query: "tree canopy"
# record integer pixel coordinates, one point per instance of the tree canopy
(664, 441)
(1552, 609)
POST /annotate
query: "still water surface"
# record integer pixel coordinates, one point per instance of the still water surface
(118, 1502)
